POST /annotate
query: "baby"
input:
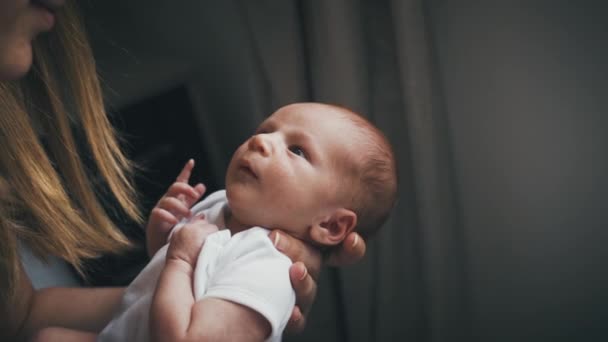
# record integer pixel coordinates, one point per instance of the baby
(314, 170)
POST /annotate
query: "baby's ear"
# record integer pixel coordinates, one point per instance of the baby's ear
(331, 230)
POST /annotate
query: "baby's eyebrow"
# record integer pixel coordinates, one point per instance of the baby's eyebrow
(304, 136)
(266, 125)
(309, 141)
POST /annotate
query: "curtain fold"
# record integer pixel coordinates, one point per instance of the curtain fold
(441, 230)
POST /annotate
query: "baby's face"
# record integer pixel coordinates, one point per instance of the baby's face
(289, 172)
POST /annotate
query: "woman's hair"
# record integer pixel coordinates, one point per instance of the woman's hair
(47, 200)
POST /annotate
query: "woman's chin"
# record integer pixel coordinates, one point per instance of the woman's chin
(16, 66)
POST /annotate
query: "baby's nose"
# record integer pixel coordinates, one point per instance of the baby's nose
(260, 143)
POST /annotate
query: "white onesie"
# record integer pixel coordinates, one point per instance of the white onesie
(245, 268)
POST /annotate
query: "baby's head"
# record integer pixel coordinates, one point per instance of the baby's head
(317, 171)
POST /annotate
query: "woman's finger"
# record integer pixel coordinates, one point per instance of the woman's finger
(297, 250)
(296, 322)
(304, 286)
(349, 252)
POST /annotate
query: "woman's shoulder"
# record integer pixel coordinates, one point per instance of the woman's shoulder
(51, 272)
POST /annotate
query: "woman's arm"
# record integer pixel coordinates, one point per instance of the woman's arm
(87, 309)
(56, 334)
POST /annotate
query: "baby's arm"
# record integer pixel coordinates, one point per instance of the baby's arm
(175, 316)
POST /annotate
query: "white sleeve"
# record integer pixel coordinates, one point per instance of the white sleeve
(251, 272)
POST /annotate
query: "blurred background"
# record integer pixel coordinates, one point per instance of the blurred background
(497, 111)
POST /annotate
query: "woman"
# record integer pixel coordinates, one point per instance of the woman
(47, 200)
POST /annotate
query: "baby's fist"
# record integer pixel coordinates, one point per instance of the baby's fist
(186, 243)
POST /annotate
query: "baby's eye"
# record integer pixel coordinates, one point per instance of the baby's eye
(297, 150)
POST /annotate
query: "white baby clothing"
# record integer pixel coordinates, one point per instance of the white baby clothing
(244, 268)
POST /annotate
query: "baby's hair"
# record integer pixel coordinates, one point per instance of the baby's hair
(372, 181)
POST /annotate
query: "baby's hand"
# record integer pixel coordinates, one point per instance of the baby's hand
(171, 208)
(186, 243)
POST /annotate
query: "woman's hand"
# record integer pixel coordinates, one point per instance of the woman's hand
(307, 265)
(171, 208)
(351, 251)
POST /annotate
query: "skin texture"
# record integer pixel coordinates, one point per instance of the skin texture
(56, 334)
(289, 175)
(20, 22)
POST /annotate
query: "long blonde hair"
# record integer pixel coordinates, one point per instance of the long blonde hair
(47, 200)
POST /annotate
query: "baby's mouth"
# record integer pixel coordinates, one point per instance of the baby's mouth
(249, 171)
(246, 167)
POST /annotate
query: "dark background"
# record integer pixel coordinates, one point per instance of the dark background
(516, 249)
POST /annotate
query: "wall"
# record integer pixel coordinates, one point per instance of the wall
(524, 85)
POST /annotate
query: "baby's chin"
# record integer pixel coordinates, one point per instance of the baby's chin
(243, 211)
(252, 213)
(252, 218)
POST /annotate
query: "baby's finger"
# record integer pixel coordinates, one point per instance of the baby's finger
(184, 175)
(165, 216)
(186, 244)
(174, 206)
(200, 189)
(184, 189)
